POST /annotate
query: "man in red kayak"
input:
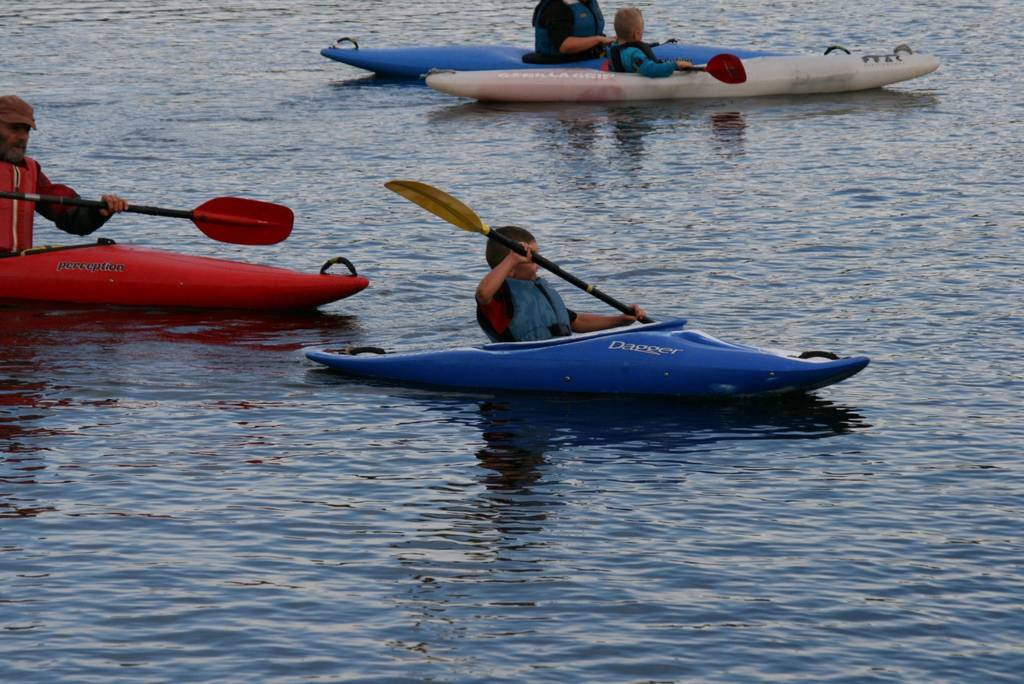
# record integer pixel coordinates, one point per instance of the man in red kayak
(513, 304)
(19, 173)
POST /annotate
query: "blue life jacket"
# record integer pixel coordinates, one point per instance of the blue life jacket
(587, 20)
(538, 312)
(626, 66)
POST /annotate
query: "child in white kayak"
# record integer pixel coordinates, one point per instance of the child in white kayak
(630, 54)
(513, 304)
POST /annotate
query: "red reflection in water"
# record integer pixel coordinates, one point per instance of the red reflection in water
(24, 327)
(56, 357)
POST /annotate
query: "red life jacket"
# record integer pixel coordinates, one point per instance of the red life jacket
(16, 215)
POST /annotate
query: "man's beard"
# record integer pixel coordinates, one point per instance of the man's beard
(12, 155)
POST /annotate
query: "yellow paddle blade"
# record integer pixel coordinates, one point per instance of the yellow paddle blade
(439, 203)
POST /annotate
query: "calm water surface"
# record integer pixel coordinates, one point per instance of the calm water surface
(184, 498)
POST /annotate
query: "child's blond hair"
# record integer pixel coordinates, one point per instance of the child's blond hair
(627, 20)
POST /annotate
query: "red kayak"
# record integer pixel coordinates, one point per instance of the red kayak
(121, 275)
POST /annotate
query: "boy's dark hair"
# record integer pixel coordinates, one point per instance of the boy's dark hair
(496, 251)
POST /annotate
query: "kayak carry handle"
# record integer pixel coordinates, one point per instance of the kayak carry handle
(337, 260)
(355, 351)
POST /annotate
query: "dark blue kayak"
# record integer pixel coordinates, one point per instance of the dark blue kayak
(659, 359)
(415, 62)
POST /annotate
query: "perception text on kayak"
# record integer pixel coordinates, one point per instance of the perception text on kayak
(89, 266)
(644, 348)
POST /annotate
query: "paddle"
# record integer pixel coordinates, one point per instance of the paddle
(725, 67)
(227, 219)
(443, 205)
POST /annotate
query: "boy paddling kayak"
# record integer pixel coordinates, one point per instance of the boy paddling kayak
(514, 304)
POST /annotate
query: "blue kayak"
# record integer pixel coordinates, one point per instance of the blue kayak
(415, 62)
(658, 359)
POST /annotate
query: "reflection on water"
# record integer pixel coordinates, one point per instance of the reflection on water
(22, 404)
(372, 81)
(42, 345)
(494, 529)
(630, 128)
(879, 99)
(730, 131)
(575, 129)
(840, 104)
(26, 328)
(61, 363)
(521, 430)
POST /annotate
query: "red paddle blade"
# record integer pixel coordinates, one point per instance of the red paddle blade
(727, 68)
(244, 221)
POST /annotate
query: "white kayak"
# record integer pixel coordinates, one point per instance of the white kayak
(772, 75)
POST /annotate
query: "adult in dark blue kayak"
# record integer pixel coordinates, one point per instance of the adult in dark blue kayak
(569, 30)
(630, 54)
(513, 304)
(20, 173)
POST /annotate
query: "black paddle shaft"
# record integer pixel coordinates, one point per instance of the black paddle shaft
(79, 202)
(557, 270)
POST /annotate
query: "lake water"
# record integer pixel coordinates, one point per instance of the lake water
(183, 497)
